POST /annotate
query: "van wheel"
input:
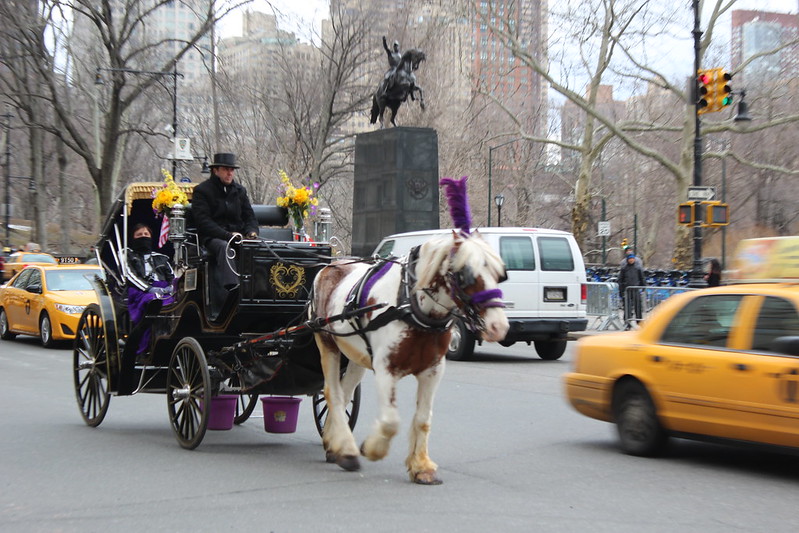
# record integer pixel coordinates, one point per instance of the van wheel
(461, 344)
(550, 350)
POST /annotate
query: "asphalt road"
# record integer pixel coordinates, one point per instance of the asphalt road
(513, 456)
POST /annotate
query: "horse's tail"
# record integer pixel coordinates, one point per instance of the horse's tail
(375, 110)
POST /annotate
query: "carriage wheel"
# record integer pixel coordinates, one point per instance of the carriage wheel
(245, 404)
(188, 393)
(320, 409)
(90, 366)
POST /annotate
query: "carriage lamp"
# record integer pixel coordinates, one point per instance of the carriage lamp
(499, 200)
(177, 224)
(322, 227)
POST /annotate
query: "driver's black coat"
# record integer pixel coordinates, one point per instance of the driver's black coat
(219, 211)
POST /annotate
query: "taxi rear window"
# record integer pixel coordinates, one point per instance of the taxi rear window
(704, 321)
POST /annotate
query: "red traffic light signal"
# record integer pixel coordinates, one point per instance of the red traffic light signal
(686, 214)
(706, 89)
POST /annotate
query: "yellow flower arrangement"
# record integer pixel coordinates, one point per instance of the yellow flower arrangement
(300, 201)
(168, 195)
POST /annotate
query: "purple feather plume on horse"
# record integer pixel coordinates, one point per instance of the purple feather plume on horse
(458, 199)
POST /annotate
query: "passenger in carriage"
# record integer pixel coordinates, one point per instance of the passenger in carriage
(150, 288)
(222, 211)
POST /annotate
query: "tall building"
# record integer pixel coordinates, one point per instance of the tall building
(257, 54)
(496, 69)
(757, 32)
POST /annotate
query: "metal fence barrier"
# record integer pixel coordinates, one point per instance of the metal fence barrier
(604, 303)
(640, 301)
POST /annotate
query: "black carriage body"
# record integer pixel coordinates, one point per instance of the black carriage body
(275, 284)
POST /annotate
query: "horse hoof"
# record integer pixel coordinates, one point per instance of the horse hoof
(427, 478)
(349, 463)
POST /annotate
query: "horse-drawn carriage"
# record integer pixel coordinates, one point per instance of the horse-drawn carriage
(391, 316)
(206, 341)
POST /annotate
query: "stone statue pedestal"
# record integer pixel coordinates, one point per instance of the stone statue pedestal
(396, 185)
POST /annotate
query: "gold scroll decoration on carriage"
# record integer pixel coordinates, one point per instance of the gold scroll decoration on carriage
(144, 191)
(286, 280)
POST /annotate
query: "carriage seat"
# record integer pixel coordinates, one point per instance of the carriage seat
(269, 216)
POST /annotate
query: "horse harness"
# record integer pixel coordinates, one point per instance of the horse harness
(407, 308)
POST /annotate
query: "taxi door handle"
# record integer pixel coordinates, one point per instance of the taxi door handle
(740, 366)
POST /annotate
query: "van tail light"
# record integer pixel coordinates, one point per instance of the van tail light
(583, 293)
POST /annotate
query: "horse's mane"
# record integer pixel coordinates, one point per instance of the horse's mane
(436, 255)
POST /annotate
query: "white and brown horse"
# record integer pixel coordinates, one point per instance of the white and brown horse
(455, 274)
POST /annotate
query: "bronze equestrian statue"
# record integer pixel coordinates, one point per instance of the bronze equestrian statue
(398, 83)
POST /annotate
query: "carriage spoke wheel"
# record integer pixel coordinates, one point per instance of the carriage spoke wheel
(320, 409)
(245, 404)
(188, 393)
(90, 367)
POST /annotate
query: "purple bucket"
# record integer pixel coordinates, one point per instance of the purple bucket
(223, 410)
(280, 413)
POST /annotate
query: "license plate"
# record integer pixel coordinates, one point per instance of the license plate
(554, 294)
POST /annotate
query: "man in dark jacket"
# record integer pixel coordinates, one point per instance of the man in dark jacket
(631, 275)
(223, 213)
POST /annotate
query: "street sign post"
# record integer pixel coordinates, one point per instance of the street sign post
(603, 228)
(699, 194)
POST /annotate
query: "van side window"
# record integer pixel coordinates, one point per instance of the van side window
(556, 254)
(517, 253)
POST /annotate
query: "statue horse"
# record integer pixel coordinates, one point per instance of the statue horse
(397, 86)
(454, 274)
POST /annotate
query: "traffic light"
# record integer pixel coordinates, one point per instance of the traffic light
(706, 90)
(686, 214)
(723, 89)
(718, 214)
(714, 88)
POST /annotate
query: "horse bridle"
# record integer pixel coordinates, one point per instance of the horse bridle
(472, 305)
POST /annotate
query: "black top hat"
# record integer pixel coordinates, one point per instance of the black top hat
(224, 160)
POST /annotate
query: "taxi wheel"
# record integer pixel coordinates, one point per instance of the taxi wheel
(639, 429)
(46, 331)
(5, 333)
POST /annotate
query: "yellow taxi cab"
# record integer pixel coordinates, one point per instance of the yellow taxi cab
(46, 301)
(19, 260)
(718, 364)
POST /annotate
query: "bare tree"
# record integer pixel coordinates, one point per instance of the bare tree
(121, 46)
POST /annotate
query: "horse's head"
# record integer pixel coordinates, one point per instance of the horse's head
(471, 272)
(412, 58)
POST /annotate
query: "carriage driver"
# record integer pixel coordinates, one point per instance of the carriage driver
(222, 211)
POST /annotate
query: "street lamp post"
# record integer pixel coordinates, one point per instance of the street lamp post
(490, 164)
(499, 200)
(174, 73)
(697, 279)
(7, 125)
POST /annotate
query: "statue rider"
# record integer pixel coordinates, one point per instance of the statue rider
(394, 58)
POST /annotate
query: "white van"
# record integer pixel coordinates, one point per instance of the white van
(544, 294)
